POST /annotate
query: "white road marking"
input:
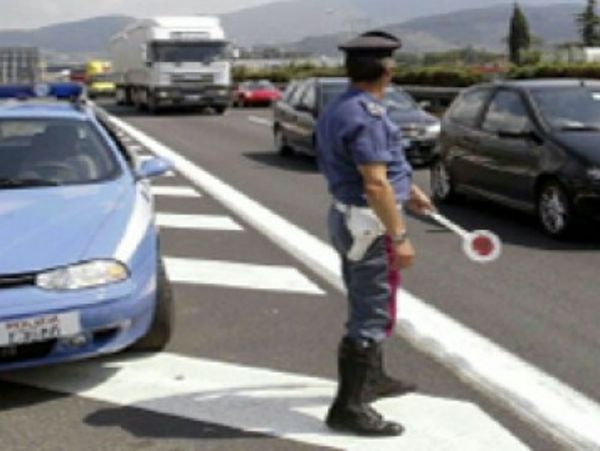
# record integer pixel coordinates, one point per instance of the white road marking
(197, 222)
(174, 191)
(240, 275)
(562, 412)
(260, 121)
(279, 404)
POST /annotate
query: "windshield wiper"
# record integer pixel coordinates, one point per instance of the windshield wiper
(23, 183)
(580, 128)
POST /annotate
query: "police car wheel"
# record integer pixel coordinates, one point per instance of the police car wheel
(281, 145)
(441, 182)
(159, 334)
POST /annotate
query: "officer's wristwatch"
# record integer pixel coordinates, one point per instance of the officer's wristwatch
(400, 238)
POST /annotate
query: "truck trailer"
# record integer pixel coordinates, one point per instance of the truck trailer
(19, 65)
(172, 62)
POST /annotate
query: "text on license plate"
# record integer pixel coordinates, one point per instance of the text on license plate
(39, 328)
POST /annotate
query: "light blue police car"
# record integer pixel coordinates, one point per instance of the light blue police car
(80, 269)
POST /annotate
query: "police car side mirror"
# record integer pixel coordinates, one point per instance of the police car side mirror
(154, 167)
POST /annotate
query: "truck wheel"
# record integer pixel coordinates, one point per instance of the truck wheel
(152, 104)
(160, 331)
(120, 97)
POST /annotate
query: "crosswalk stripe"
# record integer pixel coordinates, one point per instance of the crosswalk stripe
(174, 191)
(282, 405)
(197, 222)
(240, 275)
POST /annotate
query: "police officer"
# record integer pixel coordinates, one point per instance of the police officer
(361, 156)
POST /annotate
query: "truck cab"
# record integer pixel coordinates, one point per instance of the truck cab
(173, 62)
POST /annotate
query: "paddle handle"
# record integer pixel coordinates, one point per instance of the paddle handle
(443, 221)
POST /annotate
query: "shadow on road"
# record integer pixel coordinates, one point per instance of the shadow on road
(295, 163)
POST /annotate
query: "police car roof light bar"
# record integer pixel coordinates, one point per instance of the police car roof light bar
(58, 91)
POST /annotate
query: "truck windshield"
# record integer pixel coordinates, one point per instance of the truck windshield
(203, 52)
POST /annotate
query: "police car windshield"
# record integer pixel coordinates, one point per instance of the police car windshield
(45, 152)
(187, 52)
(570, 109)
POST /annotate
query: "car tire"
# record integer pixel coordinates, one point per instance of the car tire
(152, 104)
(442, 186)
(220, 110)
(555, 210)
(159, 334)
(280, 143)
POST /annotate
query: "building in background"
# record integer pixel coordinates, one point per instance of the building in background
(20, 65)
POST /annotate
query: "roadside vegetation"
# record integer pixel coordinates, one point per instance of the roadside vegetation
(468, 66)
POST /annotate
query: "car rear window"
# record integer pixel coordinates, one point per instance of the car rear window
(467, 108)
(58, 151)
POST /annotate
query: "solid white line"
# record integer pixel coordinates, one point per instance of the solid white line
(283, 405)
(197, 222)
(239, 275)
(174, 191)
(260, 121)
(565, 414)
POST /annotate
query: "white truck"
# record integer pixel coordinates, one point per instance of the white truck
(172, 62)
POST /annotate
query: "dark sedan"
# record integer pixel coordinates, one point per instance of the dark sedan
(531, 145)
(295, 116)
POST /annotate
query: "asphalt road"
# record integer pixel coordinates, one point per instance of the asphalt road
(537, 301)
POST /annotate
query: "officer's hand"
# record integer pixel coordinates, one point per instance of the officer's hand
(404, 255)
(419, 202)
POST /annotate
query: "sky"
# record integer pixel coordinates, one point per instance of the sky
(19, 14)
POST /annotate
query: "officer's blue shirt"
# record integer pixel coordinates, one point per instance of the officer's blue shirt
(355, 130)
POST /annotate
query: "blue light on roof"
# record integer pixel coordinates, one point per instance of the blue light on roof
(62, 91)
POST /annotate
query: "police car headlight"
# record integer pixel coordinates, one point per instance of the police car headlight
(594, 173)
(85, 275)
(433, 130)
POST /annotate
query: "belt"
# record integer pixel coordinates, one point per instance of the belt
(345, 208)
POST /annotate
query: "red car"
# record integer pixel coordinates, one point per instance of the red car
(255, 93)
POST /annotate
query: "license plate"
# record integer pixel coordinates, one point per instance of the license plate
(39, 328)
(193, 98)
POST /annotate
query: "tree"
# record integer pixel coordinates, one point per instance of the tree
(588, 22)
(519, 38)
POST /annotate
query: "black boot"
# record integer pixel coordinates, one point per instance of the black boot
(349, 411)
(380, 385)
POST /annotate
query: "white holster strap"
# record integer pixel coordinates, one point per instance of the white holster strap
(364, 227)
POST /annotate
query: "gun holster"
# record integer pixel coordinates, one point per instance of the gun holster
(364, 227)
